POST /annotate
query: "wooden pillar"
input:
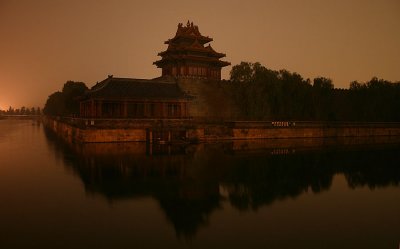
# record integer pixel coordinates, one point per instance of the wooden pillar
(181, 110)
(162, 109)
(150, 136)
(125, 109)
(96, 107)
(145, 109)
(92, 110)
(80, 109)
(100, 113)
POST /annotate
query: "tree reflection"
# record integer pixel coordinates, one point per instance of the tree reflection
(265, 179)
(187, 181)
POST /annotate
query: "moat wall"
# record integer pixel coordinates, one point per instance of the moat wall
(103, 131)
(94, 131)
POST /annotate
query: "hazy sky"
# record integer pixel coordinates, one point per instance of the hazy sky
(44, 43)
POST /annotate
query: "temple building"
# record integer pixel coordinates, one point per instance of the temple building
(134, 98)
(188, 56)
(179, 93)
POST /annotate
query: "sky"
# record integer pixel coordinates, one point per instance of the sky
(44, 43)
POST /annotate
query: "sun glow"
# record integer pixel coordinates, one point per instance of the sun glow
(3, 107)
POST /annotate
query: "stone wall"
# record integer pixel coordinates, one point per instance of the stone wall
(96, 131)
(208, 99)
(71, 133)
(201, 131)
(313, 132)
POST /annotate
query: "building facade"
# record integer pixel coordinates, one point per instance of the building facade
(134, 98)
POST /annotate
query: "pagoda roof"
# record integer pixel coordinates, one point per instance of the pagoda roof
(127, 88)
(195, 47)
(188, 46)
(194, 58)
(188, 32)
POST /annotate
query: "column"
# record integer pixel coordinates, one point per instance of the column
(100, 113)
(125, 112)
(92, 110)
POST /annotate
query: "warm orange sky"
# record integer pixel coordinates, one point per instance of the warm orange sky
(44, 43)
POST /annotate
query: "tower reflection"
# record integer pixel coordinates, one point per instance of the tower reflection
(187, 180)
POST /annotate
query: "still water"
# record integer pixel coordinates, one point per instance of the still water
(260, 194)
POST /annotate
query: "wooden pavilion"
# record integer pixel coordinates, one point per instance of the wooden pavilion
(134, 98)
(187, 55)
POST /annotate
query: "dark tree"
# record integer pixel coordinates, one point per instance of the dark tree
(66, 102)
(264, 94)
(72, 91)
(55, 105)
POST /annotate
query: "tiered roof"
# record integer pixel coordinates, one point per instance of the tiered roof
(189, 45)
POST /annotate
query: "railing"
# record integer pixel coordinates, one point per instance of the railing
(123, 123)
(327, 124)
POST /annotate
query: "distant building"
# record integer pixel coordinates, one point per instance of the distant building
(187, 55)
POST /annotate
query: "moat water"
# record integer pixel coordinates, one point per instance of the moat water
(253, 194)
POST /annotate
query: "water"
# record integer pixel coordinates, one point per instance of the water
(260, 194)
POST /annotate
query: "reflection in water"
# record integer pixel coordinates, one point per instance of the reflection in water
(190, 182)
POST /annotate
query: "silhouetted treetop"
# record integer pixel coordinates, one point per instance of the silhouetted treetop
(65, 102)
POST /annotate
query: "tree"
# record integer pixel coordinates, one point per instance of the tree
(323, 99)
(55, 105)
(242, 72)
(72, 91)
(10, 111)
(65, 102)
(323, 83)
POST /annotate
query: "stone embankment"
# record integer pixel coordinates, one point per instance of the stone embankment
(187, 131)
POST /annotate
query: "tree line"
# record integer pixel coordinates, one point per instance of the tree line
(259, 93)
(22, 111)
(265, 94)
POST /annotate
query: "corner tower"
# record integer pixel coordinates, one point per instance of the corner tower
(188, 55)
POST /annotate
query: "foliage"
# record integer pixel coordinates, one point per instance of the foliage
(65, 102)
(264, 94)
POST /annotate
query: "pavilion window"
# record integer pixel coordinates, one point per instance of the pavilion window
(139, 110)
(135, 110)
(151, 109)
(131, 109)
(173, 110)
